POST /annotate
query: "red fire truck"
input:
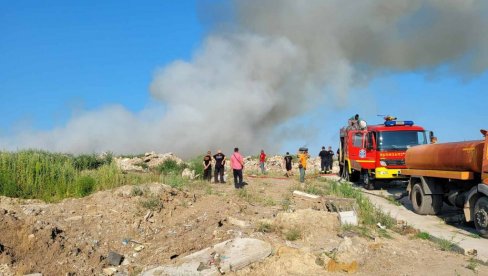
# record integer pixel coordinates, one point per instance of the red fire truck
(377, 153)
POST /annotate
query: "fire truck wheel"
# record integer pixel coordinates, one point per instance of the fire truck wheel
(367, 182)
(421, 203)
(351, 177)
(481, 216)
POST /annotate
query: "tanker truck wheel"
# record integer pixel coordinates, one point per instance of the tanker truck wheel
(425, 204)
(481, 216)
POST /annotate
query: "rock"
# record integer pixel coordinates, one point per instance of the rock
(188, 174)
(139, 248)
(109, 271)
(302, 194)
(225, 257)
(238, 222)
(74, 218)
(114, 258)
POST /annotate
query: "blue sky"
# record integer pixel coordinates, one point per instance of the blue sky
(61, 57)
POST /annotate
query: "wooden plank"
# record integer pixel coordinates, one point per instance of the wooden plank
(461, 175)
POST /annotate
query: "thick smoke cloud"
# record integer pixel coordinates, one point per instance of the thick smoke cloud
(273, 61)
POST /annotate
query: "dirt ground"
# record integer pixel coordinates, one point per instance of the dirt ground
(155, 224)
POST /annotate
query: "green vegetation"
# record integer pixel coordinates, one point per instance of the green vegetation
(152, 203)
(423, 236)
(54, 176)
(472, 264)
(367, 212)
(170, 166)
(445, 245)
(293, 234)
(265, 227)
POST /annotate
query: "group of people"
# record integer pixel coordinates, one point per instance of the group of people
(326, 159)
(236, 163)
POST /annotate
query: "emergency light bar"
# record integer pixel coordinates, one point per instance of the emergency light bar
(398, 123)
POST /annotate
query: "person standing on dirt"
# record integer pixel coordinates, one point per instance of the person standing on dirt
(328, 163)
(302, 163)
(219, 166)
(288, 164)
(237, 165)
(207, 166)
(323, 159)
(262, 160)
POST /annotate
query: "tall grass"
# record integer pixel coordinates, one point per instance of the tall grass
(54, 176)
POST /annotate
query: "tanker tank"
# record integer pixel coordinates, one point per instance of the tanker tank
(457, 156)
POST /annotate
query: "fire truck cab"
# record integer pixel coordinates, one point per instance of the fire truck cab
(377, 153)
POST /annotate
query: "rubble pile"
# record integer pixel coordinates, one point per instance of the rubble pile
(148, 161)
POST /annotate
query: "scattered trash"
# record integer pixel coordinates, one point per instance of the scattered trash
(230, 255)
(381, 226)
(109, 271)
(472, 252)
(114, 258)
(348, 218)
(125, 241)
(302, 194)
(148, 215)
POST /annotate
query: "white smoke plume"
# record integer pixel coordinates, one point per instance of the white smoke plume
(272, 61)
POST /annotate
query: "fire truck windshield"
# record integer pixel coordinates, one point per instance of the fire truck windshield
(400, 140)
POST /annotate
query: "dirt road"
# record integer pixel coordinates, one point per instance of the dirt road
(155, 224)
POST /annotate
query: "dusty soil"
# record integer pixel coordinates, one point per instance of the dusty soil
(155, 224)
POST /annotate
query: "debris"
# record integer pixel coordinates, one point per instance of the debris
(148, 215)
(348, 218)
(237, 222)
(472, 252)
(302, 194)
(188, 174)
(74, 218)
(230, 255)
(139, 248)
(114, 258)
(109, 271)
(381, 226)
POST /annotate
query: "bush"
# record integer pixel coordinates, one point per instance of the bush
(85, 185)
(87, 162)
(196, 164)
(175, 180)
(170, 166)
(293, 234)
(152, 203)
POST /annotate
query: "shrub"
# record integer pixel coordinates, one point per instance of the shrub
(170, 166)
(293, 234)
(152, 203)
(84, 185)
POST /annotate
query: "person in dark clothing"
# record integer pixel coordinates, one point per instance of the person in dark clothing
(323, 159)
(328, 161)
(207, 167)
(219, 166)
(288, 159)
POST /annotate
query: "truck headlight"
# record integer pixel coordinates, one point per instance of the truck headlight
(383, 163)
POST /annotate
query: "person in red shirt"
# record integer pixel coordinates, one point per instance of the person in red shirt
(262, 159)
(237, 164)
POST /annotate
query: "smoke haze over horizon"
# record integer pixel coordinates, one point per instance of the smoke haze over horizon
(272, 62)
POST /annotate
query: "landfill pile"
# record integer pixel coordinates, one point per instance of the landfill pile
(148, 161)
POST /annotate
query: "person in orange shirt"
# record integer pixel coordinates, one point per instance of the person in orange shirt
(302, 162)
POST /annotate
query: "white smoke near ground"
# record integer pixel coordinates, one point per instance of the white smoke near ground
(272, 62)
